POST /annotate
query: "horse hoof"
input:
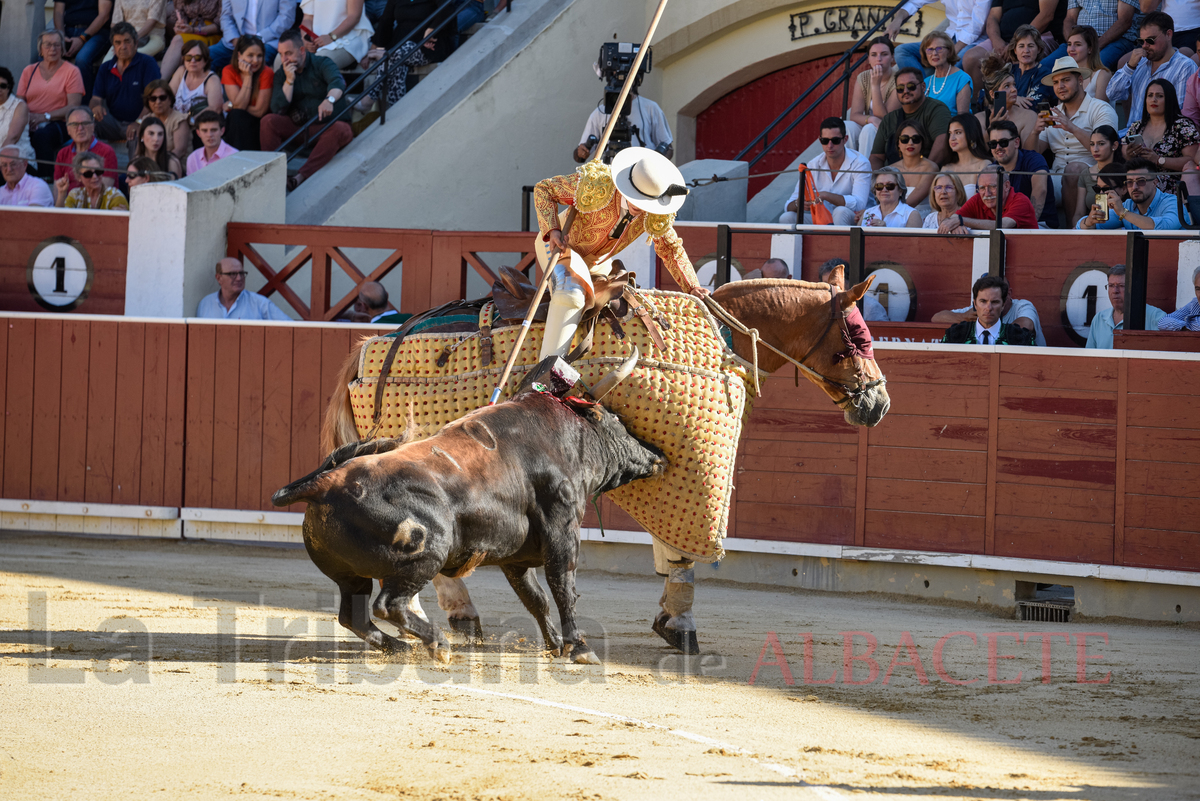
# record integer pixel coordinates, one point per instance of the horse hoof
(441, 653)
(586, 657)
(682, 641)
(468, 627)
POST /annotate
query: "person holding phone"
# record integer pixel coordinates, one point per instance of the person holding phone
(1163, 135)
(1147, 208)
(1106, 150)
(1000, 99)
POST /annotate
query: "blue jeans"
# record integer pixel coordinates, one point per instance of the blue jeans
(91, 52)
(909, 56)
(1108, 55)
(221, 56)
(470, 15)
(375, 9)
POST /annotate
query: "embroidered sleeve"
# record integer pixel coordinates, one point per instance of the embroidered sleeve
(548, 193)
(669, 248)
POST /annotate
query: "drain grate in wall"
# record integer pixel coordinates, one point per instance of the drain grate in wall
(1044, 611)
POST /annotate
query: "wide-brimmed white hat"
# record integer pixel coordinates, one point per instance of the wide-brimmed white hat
(1066, 64)
(649, 180)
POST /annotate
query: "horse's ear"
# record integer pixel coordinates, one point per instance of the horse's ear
(837, 277)
(855, 293)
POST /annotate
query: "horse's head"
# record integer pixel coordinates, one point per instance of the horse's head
(821, 328)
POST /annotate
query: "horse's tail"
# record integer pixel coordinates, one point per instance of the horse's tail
(339, 429)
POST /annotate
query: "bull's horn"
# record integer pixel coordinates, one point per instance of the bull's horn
(606, 384)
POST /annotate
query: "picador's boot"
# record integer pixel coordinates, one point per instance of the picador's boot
(675, 623)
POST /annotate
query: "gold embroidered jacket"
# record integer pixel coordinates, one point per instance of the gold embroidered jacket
(589, 233)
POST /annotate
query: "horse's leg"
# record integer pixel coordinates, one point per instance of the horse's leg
(461, 614)
(675, 623)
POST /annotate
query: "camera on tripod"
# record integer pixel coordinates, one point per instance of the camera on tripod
(616, 61)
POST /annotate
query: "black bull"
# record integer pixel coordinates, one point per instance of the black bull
(506, 485)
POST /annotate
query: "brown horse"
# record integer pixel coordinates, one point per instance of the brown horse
(817, 326)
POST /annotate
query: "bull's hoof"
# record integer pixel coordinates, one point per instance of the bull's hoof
(682, 641)
(469, 627)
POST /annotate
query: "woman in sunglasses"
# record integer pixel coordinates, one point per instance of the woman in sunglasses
(917, 170)
(997, 78)
(159, 101)
(152, 144)
(887, 184)
(948, 196)
(92, 194)
(1163, 135)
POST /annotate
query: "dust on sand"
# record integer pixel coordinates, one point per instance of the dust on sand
(185, 669)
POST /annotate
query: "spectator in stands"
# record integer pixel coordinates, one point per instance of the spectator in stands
(872, 308)
(990, 293)
(248, 83)
(1083, 45)
(50, 88)
(195, 21)
(307, 87)
(1014, 312)
(771, 268)
(473, 14)
(1111, 178)
(1105, 149)
(948, 83)
(1187, 317)
(1067, 132)
(372, 305)
(1025, 53)
(841, 176)
(343, 32)
(20, 188)
(968, 150)
(1009, 19)
(1115, 18)
(645, 115)
(946, 199)
(152, 144)
(888, 185)
(92, 193)
(873, 96)
(231, 301)
(966, 21)
(159, 101)
(14, 114)
(1154, 57)
(148, 17)
(1163, 135)
(979, 212)
(117, 99)
(932, 114)
(144, 170)
(1147, 208)
(1030, 174)
(210, 128)
(81, 127)
(1191, 98)
(195, 85)
(83, 31)
(998, 78)
(918, 171)
(266, 19)
(1100, 333)
(396, 26)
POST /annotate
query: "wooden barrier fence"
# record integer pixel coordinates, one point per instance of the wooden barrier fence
(1045, 455)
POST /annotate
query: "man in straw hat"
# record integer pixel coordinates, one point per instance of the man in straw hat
(638, 195)
(1067, 131)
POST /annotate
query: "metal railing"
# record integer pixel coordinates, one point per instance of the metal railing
(385, 77)
(764, 137)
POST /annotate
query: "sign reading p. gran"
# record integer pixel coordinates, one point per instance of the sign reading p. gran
(854, 20)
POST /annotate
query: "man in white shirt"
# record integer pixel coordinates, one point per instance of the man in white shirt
(841, 176)
(965, 24)
(1069, 132)
(232, 301)
(644, 115)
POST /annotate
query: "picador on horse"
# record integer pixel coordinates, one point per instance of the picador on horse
(680, 370)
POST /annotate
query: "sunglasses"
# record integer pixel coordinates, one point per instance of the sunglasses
(888, 187)
(916, 139)
(996, 144)
(235, 274)
(908, 87)
(1147, 42)
(90, 173)
(1138, 183)
(133, 176)
(1101, 188)
(193, 58)
(158, 98)
(5, 87)
(832, 140)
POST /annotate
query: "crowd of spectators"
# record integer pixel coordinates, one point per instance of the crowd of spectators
(185, 83)
(1057, 92)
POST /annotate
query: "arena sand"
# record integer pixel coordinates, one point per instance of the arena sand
(186, 669)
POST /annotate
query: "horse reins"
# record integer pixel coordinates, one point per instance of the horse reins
(853, 393)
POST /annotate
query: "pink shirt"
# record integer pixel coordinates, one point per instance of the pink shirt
(41, 95)
(197, 160)
(1191, 98)
(29, 191)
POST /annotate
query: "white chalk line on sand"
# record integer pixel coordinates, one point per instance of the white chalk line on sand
(783, 770)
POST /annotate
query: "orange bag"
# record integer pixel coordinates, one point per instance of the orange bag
(820, 214)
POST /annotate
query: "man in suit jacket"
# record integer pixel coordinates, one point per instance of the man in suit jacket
(271, 18)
